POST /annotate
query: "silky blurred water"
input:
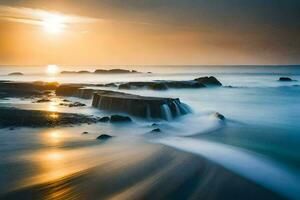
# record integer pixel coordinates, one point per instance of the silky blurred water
(262, 116)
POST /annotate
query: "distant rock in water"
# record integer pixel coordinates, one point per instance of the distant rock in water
(104, 137)
(119, 118)
(219, 116)
(161, 85)
(16, 74)
(285, 79)
(114, 71)
(140, 106)
(208, 81)
(157, 130)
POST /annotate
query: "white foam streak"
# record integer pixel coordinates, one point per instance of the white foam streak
(255, 167)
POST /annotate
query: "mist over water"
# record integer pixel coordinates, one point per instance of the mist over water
(259, 139)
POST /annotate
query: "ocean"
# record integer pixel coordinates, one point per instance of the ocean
(259, 140)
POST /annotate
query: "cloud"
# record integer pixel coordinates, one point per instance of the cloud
(38, 16)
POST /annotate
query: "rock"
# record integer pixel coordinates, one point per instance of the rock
(285, 79)
(76, 104)
(104, 119)
(85, 132)
(119, 118)
(219, 116)
(83, 72)
(25, 89)
(110, 85)
(104, 137)
(16, 74)
(140, 106)
(154, 124)
(158, 86)
(11, 117)
(208, 81)
(113, 71)
(43, 100)
(157, 130)
(161, 85)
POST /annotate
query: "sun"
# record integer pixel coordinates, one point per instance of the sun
(52, 69)
(53, 23)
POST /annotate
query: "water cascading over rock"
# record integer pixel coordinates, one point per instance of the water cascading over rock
(140, 106)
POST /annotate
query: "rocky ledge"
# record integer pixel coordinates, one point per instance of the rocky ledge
(11, 117)
(139, 106)
(285, 79)
(164, 85)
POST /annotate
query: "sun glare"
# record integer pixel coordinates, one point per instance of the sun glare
(52, 69)
(53, 23)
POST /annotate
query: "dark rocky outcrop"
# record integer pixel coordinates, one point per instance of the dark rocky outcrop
(85, 132)
(75, 90)
(104, 137)
(15, 74)
(164, 85)
(119, 118)
(208, 81)
(104, 119)
(11, 117)
(285, 79)
(114, 71)
(22, 89)
(161, 85)
(140, 106)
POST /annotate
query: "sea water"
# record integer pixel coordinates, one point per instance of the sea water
(260, 138)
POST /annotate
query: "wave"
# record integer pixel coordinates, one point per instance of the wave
(247, 164)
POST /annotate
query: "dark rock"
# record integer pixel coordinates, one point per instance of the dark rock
(16, 74)
(22, 89)
(285, 79)
(157, 130)
(85, 132)
(110, 85)
(83, 72)
(113, 71)
(219, 116)
(104, 137)
(140, 106)
(43, 100)
(104, 119)
(154, 124)
(76, 104)
(119, 118)
(161, 85)
(11, 117)
(158, 86)
(208, 81)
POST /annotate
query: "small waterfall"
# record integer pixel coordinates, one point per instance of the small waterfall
(178, 112)
(166, 112)
(184, 108)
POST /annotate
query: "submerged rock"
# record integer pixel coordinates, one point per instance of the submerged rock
(119, 118)
(219, 116)
(157, 130)
(104, 137)
(285, 79)
(43, 100)
(140, 106)
(104, 119)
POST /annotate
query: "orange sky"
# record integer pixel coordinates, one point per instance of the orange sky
(91, 35)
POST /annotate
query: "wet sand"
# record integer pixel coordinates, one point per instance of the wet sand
(81, 167)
